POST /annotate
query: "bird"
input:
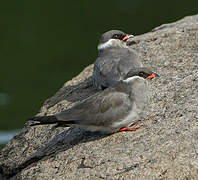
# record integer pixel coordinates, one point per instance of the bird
(112, 110)
(115, 59)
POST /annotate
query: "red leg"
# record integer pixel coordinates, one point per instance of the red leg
(128, 129)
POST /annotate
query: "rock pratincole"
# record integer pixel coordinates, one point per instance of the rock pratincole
(112, 110)
(115, 59)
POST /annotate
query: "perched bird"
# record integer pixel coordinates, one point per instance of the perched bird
(115, 59)
(111, 110)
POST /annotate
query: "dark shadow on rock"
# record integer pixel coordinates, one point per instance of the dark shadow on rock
(74, 93)
(62, 142)
(65, 140)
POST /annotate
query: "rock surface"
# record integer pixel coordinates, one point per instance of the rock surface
(165, 147)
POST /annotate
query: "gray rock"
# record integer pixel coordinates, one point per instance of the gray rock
(165, 147)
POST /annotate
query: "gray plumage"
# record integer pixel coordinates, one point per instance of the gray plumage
(108, 111)
(115, 60)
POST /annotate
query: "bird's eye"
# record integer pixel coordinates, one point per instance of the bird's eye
(118, 36)
(115, 36)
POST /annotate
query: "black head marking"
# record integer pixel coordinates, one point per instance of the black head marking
(141, 72)
(119, 36)
(113, 34)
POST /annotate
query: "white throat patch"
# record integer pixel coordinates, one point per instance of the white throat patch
(107, 44)
(130, 79)
(110, 43)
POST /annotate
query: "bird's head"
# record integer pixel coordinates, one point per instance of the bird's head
(137, 73)
(113, 38)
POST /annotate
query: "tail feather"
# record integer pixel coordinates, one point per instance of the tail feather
(42, 120)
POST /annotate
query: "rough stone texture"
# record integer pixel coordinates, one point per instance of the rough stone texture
(165, 147)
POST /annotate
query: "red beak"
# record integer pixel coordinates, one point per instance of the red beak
(152, 76)
(127, 36)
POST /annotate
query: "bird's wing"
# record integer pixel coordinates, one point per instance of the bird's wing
(106, 71)
(98, 110)
(111, 68)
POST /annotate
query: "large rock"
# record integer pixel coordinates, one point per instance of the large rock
(165, 147)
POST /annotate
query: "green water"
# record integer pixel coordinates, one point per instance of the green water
(45, 43)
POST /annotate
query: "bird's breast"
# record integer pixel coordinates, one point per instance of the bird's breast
(131, 117)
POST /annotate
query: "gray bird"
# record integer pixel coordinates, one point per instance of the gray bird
(115, 59)
(111, 110)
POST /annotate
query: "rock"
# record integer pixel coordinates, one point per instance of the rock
(165, 147)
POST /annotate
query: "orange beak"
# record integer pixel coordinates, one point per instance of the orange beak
(127, 36)
(152, 76)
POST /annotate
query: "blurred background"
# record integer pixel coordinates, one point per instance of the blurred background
(43, 44)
